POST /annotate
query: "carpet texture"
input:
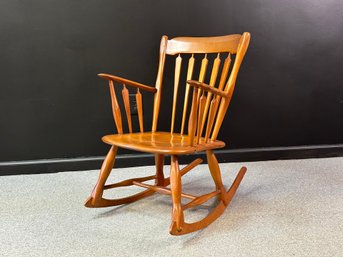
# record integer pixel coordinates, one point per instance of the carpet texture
(282, 208)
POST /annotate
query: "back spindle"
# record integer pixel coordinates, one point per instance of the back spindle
(225, 72)
(185, 103)
(140, 110)
(178, 62)
(214, 74)
(211, 116)
(201, 114)
(126, 100)
(203, 70)
(115, 108)
(193, 116)
(223, 79)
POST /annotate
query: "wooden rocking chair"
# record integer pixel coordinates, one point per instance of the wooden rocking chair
(208, 107)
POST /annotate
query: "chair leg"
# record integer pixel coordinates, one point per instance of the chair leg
(159, 162)
(225, 198)
(215, 173)
(175, 186)
(106, 168)
(178, 225)
(96, 199)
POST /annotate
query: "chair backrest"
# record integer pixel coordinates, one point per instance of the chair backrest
(204, 105)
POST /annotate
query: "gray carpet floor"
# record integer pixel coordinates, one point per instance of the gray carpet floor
(282, 208)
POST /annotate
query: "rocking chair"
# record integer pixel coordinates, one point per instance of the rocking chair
(208, 107)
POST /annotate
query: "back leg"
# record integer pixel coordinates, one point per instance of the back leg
(159, 162)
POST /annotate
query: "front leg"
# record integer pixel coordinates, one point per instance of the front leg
(106, 168)
(96, 200)
(175, 185)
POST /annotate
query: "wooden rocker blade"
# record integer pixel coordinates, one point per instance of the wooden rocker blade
(216, 212)
(102, 202)
(231, 192)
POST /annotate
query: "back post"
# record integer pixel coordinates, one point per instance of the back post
(230, 86)
(159, 82)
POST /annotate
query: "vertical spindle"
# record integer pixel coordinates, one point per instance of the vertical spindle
(115, 108)
(126, 100)
(176, 89)
(185, 103)
(140, 110)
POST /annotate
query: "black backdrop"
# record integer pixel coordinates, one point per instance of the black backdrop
(52, 105)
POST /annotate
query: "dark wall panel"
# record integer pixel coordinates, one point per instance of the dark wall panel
(52, 105)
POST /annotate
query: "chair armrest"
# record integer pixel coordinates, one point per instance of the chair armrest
(127, 82)
(207, 88)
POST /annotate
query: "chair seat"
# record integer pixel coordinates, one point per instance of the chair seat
(160, 142)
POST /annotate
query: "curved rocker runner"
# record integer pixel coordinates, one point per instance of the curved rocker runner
(209, 103)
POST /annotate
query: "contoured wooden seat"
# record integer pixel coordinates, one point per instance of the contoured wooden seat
(202, 118)
(161, 143)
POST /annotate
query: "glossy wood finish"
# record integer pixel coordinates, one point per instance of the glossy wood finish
(213, 79)
(139, 102)
(207, 110)
(160, 143)
(211, 117)
(159, 80)
(129, 182)
(162, 190)
(205, 87)
(159, 162)
(215, 172)
(203, 44)
(223, 78)
(185, 170)
(185, 104)
(104, 173)
(201, 115)
(115, 108)
(225, 72)
(224, 104)
(193, 117)
(200, 200)
(175, 185)
(178, 62)
(215, 213)
(127, 82)
(203, 70)
(125, 94)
